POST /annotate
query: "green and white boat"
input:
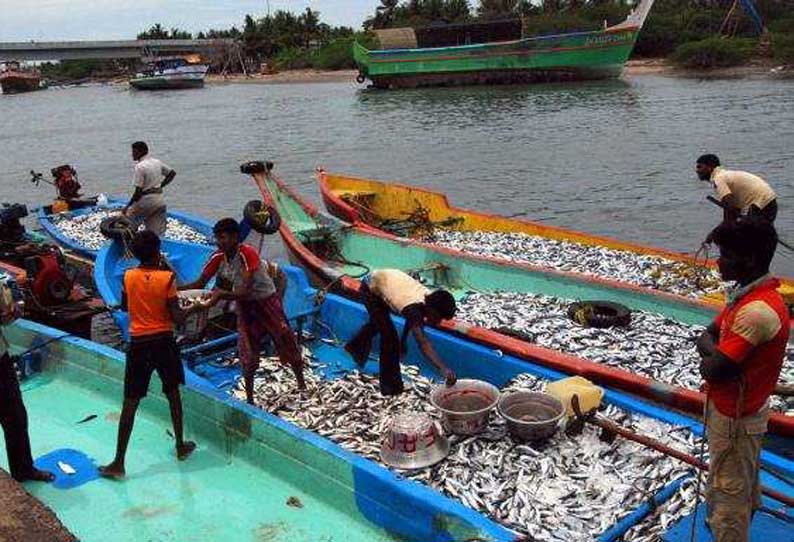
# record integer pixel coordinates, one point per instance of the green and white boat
(597, 54)
(170, 73)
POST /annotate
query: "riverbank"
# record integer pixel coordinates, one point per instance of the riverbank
(756, 68)
(24, 518)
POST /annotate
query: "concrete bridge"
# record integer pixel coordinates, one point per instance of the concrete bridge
(84, 50)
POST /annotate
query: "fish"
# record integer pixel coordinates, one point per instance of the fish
(84, 229)
(66, 468)
(87, 418)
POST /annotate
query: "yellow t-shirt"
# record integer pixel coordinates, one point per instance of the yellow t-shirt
(747, 189)
(397, 289)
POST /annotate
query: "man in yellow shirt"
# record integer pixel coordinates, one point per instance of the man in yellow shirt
(740, 192)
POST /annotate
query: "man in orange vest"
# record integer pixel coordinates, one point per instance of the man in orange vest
(150, 297)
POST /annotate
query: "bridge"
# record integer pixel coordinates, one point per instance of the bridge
(85, 50)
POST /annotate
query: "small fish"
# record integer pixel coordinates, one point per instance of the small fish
(87, 418)
(66, 468)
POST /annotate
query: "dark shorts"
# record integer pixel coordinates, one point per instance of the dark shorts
(147, 355)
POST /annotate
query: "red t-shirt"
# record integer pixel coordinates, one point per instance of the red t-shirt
(753, 333)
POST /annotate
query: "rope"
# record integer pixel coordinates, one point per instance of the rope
(699, 483)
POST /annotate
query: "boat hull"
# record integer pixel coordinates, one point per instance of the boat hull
(17, 84)
(163, 83)
(396, 252)
(567, 57)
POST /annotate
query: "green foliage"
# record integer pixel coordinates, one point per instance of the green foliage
(157, 32)
(76, 70)
(783, 47)
(714, 52)
(784, 25)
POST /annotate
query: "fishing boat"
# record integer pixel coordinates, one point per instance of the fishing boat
(326, 322)
(15, 79)
(413, 212)
(170, 73)
(338, 253)
(78, 230)
(596, 54)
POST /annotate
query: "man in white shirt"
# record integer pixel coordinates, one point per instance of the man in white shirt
(150, 176)
(740, 192)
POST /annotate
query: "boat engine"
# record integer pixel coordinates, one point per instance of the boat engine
(12, 232)
(66, 183)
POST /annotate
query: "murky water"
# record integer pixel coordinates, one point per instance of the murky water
(611, 158)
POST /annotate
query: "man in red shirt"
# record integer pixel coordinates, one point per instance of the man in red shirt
(242, 278)
(742, 355)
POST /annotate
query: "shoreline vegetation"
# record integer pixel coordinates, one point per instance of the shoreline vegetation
(688, 38)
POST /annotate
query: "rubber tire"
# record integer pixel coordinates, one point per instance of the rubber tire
(607, 313)
(267, 227)
(117, 228)
(360, 79)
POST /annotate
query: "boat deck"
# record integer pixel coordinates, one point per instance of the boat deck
(215, 495)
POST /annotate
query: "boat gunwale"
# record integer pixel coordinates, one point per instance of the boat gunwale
(688, 400)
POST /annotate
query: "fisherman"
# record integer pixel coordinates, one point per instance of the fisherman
(244, 279)
(742, 355)
(150, 176)
(391, 290)
(739, 192)
(150, 296)
(13, 415)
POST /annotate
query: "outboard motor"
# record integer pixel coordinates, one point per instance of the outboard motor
(12, 232)
(66, 183)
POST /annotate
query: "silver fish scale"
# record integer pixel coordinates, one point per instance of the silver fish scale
(652, 345)
(640, 269)
(568, 488)
(85, 229)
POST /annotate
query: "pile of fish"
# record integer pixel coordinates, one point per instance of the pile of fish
(84, 228)
(643, 270)
(652, 345)
(569, 488)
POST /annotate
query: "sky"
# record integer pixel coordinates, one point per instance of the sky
(48, 20)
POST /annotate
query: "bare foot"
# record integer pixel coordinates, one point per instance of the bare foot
(184, 451)
(37, 475)
(360, 360)
(112, 471)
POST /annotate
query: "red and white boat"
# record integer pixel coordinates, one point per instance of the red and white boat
(15, 79)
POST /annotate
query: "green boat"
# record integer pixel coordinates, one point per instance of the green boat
(597, 54)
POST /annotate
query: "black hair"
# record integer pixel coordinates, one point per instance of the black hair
(748, 235)
(146, 246)
(710, 160)
(226, 225)
(442, 302)
(141, 147)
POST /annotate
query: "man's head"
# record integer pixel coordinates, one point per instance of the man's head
(747, 246)
(705, 166)
(139, 150)
(439, 305)
(227, 234)
(146, 247)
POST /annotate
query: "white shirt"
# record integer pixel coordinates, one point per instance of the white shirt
(149, 173)
(396, 288)
(747, 189)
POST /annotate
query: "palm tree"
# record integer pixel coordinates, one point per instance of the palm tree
(497, 8)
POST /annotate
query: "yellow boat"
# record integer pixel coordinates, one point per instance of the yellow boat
(417, 212)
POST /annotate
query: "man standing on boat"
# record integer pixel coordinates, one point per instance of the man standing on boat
(13, 415)
(150, 297)
(150, 176)
(739, 192)
(742, 355)
(391, 290)
(244, 279)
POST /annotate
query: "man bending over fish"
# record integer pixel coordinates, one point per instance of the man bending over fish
(391, 290)
(242, 278)
(742, 355)
(150, 298)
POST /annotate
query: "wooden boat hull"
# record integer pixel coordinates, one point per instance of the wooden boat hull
(19, 83)
(381, 250)
(394, 201)
(46, 222)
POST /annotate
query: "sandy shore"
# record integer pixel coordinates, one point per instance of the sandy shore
(291, 76)
(755, 69)
(23, 518)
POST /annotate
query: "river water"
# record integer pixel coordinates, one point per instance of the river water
(613, 158)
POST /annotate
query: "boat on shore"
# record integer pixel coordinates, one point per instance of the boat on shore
(16, 79)
(337, 253)
(352, 422)
(170, 73)
(598, 54)
(423, 214)
(78, 229)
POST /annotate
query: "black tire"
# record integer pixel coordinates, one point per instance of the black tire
(360, 79)
(599, 314)
(263, 219)
(117, 228)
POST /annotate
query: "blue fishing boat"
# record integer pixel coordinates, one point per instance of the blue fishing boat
(328, 321)
(51, 224)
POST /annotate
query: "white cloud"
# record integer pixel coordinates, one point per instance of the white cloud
(45, 20)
